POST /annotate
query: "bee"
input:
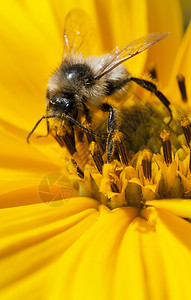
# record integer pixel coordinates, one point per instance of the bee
(79, 87)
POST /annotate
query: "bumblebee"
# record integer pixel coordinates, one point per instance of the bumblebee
(79, 87)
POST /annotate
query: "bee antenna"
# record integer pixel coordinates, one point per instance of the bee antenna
(70, 119)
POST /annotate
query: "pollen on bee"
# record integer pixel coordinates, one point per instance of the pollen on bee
(166, 144)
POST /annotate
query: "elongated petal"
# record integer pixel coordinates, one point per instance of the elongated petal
(79, 251)
(174, 245)
(23, 188)
(119, 24)
(29, 50)
(164, 16)
(182, 66)
(129, 255)
(32, 240)
(16, 154)
(179, 207)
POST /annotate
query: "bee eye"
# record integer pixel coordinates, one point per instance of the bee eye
(53, 100)
(61, 103)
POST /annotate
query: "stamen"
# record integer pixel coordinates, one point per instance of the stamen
(96, 155)
(186, 127)
(166, 144)
(182, 86)
(80, 172)
(153, 73)
(114, 187)
(122, 149)
(146, 163)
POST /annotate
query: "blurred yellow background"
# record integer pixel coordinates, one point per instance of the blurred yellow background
(186, 7)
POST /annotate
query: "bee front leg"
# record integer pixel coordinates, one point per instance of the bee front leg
(48, 130)
(47, 125)
(112, 126)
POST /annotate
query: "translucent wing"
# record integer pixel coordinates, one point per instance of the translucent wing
(77, 32)
(119, 56)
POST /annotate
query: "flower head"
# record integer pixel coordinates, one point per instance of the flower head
(84, 228)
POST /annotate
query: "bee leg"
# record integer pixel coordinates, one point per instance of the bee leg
(48, 130)
(36, 125)
(95, 149)
(47, 126)
(112, 126)
(148, 85)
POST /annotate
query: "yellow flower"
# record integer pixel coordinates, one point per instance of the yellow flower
(59, 237)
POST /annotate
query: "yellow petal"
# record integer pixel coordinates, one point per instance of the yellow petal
(85, 251)
(120, 24)
(30, 49)
(92, 260)
(164, 16)
(22, 188)
(17, 154)
(179, 207)
(39, 236)
(32, 240)
(173, 245)
(182, 66)
(185, 4)
(110, 263)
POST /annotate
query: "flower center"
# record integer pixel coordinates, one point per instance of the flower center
(150, 159)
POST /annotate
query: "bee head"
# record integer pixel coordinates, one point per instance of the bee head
(61, 104)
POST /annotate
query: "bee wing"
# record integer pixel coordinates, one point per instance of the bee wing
(77, 32)
(119, 56)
